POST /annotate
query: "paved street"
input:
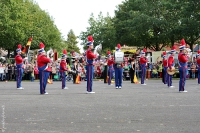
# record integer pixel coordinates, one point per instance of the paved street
(133, 109)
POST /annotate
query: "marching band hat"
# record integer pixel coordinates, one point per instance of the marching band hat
(108, 53)
(42, 46)
(173, 49)
(164, 54)
(118, 47)
(182, 42)
(90, 41)
(143, 51)
(198, 53)
(19, 47)
(64, 55)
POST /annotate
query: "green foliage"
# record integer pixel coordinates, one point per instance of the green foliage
(71, 42)
(147, 23)
(103, 31)
(21, 19)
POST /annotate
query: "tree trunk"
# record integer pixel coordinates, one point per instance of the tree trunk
(8, 55)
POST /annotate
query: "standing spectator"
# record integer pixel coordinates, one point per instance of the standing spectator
(154, 72)
(193, 70)
(32, 76)
(9, 72)
(1, 72)
(160, 67)
(53, 70)
(132, 70)
(6, 73)
(137, 69)
(36, 72)
(14, 71)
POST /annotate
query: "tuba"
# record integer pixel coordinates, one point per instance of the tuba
(188, 52)
(97, 51)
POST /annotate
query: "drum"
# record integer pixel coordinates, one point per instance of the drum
(119, 57)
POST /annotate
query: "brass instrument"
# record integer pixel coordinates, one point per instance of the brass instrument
(97, 50)
(172, 71)
(188, 52)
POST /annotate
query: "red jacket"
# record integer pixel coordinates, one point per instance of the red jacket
(63, 66)
(42, 62)
(165, 62)
(110, 62)
(143, 60)
(90, 55)
(182, 58)
(198, 62)
(18, 59)
(170, 61)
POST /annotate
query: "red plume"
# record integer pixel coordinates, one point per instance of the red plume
(64, 51)
(144, 50)
(42, 45)
(198, 51)
(30, 39)
(90, 39)
(118, 46)
(174, 47)
(19, 46)
(164, 53)
(108, 52)
(183, 42)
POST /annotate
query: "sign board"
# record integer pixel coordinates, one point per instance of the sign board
(132, 49)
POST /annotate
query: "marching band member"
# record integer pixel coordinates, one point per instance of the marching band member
(90, 66)
(43, 68)
(63, 68)
(20, 67)
(118, 71)
(170, 63)
(143, 63)
(164, 67)
(183, 59)
(110, 68)
(198, 64)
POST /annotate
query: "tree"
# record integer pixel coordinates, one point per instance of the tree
(72, 42)
(103, 31)
(141, 23)
(22, 19)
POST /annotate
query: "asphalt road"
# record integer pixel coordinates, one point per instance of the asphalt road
(133, 109)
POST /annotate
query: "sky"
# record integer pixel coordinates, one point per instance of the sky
(74, 14)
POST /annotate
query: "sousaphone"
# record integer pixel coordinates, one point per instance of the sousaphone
(172, 71)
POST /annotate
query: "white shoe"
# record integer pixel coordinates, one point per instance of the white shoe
(46, 93)
(171, 86)
(144, 84)
(65, 88)
(20, 88)
(92, 92)
(111, 84)
(182, 91)
(120, 87)
(116, 87)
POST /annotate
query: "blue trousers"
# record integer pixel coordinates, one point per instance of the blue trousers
(44, 75)
(198, 75)
(110, 75)
(182, 72)
(89, 75)
(63, 78)
(19, 77)
(165, 75)
(143, 74)
(169, 80)
(118, 77)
